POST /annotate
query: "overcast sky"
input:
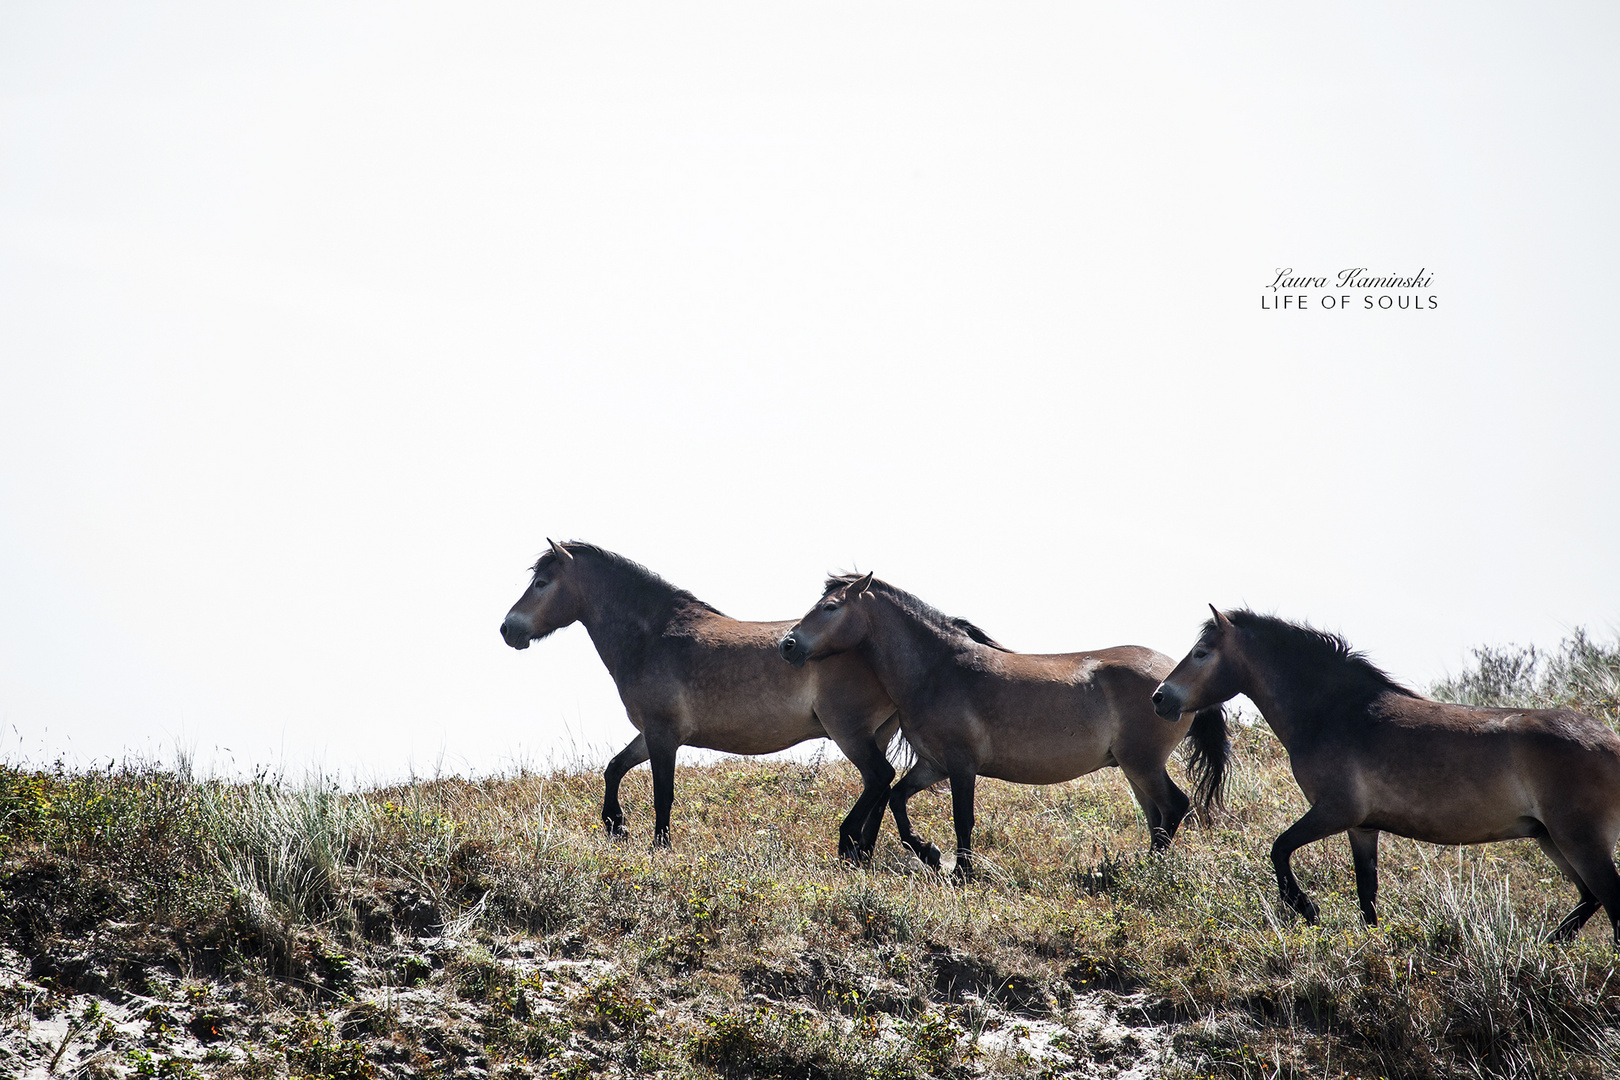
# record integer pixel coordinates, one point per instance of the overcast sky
(315, 321)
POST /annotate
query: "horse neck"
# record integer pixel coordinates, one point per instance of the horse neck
(1282, 711)
(1295, 709)
(905, 652)
(621, 617)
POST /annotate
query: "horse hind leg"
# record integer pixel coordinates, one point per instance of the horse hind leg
(857, 834)
(1591, 867)
(874, 817)
(1155, 820)
(625, 760)
(1163, 803)
(919, 776)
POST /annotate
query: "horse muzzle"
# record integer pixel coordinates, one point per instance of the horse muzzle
(516, 631)
(793, 650)
(1167, 703)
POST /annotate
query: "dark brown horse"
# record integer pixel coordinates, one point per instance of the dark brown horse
(1372, 756)
(689, 676)
(970, 707)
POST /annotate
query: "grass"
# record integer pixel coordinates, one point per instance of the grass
(454, 925)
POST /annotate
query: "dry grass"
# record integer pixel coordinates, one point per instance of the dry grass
(459, 925)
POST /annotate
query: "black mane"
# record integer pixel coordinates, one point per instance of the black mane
(914, 606)
(635, 586)
(1312, 657)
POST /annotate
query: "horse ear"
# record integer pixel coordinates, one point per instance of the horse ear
(1221, 621)
(558, 550)
(861, 586)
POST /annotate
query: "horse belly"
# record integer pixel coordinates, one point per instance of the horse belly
(757, 722)
(1038, 728)
(1473, 810)
(1053, 759)
(1450, 831)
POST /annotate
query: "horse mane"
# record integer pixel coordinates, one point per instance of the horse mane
(635, 586)
(1314, 656)
(917, 608)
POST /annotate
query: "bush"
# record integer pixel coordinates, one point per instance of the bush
(1580, 674)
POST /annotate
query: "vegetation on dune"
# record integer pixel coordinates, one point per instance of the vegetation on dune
(1580, 674)
(156, 924)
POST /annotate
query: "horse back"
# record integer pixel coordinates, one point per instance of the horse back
(1047, 718)
(1448, 773)
(722, 683)
(715, 658)
(1552, 731)
(1129, 663)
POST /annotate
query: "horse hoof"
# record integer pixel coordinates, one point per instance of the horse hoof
(929, 854)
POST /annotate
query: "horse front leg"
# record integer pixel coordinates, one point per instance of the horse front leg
(661, 749)
(962, 817)
(1319, 822)
(919, 776)
(1364, 853)
(625, 760)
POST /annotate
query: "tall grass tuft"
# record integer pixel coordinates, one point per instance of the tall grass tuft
(1513, 1005)
(287, 846)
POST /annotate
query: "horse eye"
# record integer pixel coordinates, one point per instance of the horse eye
(539, 584)
(1199, 654)
(829, 607)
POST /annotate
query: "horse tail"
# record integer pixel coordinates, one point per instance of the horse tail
(1207, 760)
(904, 757)
(901, 754)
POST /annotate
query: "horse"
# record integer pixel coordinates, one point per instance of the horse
(971, 707)
(690, 676)
(1372, 756)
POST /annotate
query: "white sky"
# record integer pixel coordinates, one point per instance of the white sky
(314, 323)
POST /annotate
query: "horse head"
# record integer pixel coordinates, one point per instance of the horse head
(1208, 675)
(838, 623)
(551, 601)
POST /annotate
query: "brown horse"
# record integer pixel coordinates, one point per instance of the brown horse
(970, 707)
(689, 676)
(1372, 756)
